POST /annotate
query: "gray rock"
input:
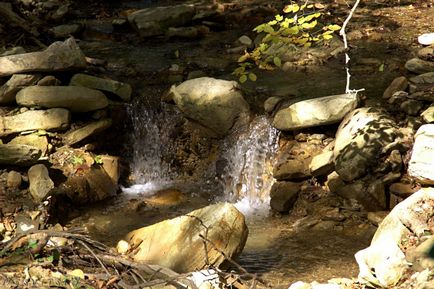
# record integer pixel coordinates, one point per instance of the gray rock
(322, 164)
(34, 139)
(17, 154)
(425, 78)
(367, 193)
(421, 165)
(334, 182)
(426, 53)
(398, 84)
(80, 134)
(411, 107)
(384, 263)
(271, 103)
(121, 89)
(49, 80)
(283, 196)
(315, 112)
(51, 119)
(213, 103)
(428, 114)
(14, 51)
(74, 98)
(360, 138)
(40, 183)
(14, 84)
(245, 40)
(155, 21)
(419, 66)
(59, 56)
(65, 31)
(176, 244)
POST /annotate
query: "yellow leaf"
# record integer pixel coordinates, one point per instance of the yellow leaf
(307, 44)
(309, 25)
(252, 76)
(327, 37)
(291, 8)
(244, 57)
(277, 61)
(279, 17)
(243, 78)
(77, 273)
(334, 27)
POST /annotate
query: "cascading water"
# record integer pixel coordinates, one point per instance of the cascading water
(248, 175)
(152, 146)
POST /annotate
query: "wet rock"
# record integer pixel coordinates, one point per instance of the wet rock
(121, 89)
(398, 84)
(411, 107)
(425, 78)
(419, 66)
(155, 21)
(283, 196)
(360, 139)
(14, 84)
(40, 183)
(428, 114)
(213, 103)
(74, 98)
(90, 184)
(90, 129)
(49, 80)
(421, 165)
(271, 103)
(34, 139)
(59, 56)
(322, 164)
(384, 263)
(65, 31)
(14, 180)
(176, 244)
(14, 154)
(315, 112)
(51, 119)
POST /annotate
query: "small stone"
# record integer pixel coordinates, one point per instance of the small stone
(403, 190)
(40, 183)
(376, 217)
(283, 196)
(411, 107)
(122, 247)
(334, 182)
(398, 84)
(419, 66)
(65, 31)
(13, 51)
(49, 80)
(426, 53)
(245, 40)
(426, 39)
(322, 164)
(425, 78)
(428, 114)
(271, 103)
(14, 180)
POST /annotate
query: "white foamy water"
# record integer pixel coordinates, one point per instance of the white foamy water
(248, 176)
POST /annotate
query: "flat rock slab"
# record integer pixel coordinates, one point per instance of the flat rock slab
(59, 56)
(155, 21)
(17, 154)
(419, 66)
(121, 89)
(176, 243)
(421, 165)
(34, 139)
(51, 119)
(14, 84)
(315, 112)
(74, 98)
(80, 134)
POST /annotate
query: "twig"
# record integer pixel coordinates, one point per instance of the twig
(95, 256)
(344, 36)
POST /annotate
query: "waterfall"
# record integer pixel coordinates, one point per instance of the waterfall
(248, 175)
(152, 146)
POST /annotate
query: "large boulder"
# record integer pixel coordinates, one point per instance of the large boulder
(421, 165)
(34, 139)
(14, 84)
(92, 128)
(18, 154)
(177, 243)
(74, 98)
(361, 139)
(213, 103)
(315, 112)
(59, 56)
(157, 20)
(121, 89)
(51, 119)
(384, 262)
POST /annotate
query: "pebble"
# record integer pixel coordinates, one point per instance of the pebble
(426, 39)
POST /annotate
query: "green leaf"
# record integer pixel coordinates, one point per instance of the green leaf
(289, 8)
(279, 17)
(277, 61)
(243, 57)
(252, 76)
(259, 28)
(381, 68)
(309, 25)
(268, 29)
(239, 70)
(50, 258)
(243, 78)
(293, 30)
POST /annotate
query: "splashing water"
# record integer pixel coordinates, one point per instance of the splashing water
(248, 176)
(153, 146)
